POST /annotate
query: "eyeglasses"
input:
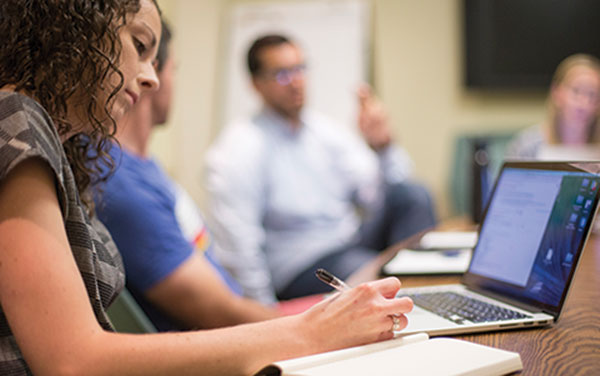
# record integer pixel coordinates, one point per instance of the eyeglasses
(588, 94)
(285, 76)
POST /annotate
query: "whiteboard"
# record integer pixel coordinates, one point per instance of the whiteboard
(334, 37)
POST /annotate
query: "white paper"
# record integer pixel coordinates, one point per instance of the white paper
(439, 356)
(409, 261)
(293, 365)
(449, 239)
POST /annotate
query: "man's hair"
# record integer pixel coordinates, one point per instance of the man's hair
(54, 50)
(162, 54)
(272, 40)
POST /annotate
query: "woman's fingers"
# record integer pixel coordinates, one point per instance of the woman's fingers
(388, 287)
(400, 323)
(400, 305)
(371, 309)
(390, 325)
(392, 309)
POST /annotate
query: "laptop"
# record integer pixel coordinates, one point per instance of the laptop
(531, 237)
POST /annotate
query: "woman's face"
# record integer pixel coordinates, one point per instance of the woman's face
(139, 38)
(577, 97)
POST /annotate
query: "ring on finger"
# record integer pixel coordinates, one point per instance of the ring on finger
(396, 327)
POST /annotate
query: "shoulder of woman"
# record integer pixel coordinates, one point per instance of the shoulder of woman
(26, 131)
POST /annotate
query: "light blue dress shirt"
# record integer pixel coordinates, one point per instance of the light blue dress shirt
(281, 198)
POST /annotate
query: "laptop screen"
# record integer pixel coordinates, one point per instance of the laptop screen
(533, 232)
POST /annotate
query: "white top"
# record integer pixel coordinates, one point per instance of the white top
(280, 198)
(530, 144)
(526, 144)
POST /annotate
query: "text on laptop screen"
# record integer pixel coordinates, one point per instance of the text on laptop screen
(534, 225)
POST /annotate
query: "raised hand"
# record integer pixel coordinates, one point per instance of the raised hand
(372, 119)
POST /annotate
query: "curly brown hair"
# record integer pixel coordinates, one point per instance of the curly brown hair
(59, 50)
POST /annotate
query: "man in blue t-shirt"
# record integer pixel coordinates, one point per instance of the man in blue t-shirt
(166, 248)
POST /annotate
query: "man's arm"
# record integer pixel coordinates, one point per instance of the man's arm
(408, 204)
(373, 122)
(160, 260)
(164, 266)
(196, 296)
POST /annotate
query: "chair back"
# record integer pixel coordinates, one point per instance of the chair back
(128, 317)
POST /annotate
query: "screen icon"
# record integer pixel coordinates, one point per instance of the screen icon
(569, 258)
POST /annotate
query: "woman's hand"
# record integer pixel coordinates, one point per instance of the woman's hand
(357, 316)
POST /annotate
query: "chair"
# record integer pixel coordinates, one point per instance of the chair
(476, 163)
(127, 316)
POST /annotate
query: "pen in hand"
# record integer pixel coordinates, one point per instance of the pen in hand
(331, 280)
(340, 285)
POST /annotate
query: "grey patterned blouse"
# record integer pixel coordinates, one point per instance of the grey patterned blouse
(26, 131)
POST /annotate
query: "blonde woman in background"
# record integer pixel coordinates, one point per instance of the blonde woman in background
(571, 129)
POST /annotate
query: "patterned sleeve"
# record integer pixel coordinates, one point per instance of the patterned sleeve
(26, 131)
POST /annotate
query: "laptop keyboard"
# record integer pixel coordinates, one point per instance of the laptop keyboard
(459, 308)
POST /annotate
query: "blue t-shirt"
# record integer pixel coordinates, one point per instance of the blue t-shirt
(155, 225)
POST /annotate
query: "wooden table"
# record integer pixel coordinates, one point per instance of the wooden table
(570, 346)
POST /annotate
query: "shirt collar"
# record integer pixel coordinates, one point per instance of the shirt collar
(274, 119)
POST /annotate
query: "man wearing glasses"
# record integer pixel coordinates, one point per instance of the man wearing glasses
(291, 192)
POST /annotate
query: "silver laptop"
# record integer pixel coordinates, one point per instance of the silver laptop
(531, 237)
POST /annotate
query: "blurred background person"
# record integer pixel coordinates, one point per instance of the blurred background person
(160, 233)
(290, 191)
(571, 128)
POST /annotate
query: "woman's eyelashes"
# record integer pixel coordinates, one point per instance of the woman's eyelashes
(139, 46)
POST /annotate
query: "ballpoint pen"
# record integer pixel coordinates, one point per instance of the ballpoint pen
(340, 285)
(331, 280)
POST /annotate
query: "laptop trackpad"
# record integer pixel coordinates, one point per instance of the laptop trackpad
(421, 320)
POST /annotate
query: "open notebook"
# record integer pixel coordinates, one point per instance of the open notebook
(410, 355)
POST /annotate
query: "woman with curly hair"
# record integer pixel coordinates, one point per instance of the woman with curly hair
(68, 70)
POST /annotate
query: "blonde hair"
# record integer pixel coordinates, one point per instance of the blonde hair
(563, 69)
